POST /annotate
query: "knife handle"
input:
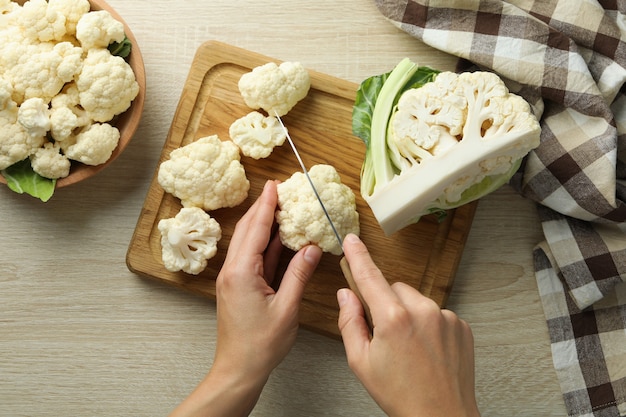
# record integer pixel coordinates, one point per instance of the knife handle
(347, 273)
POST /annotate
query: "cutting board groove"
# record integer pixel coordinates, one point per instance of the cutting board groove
(425, 255)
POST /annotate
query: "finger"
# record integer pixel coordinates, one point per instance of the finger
(352, 325)
(253, 230)
(297, 275)
(410, 296)
(373, 286)
(272, 258)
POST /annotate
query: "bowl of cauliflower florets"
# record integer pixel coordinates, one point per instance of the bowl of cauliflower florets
(72, 89)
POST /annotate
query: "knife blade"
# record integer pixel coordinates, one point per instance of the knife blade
(343, 263)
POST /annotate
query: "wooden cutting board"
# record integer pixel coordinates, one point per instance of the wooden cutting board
(424, 255)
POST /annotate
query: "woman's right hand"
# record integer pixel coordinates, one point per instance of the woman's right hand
(419, 359)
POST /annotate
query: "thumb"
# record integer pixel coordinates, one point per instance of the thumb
(352, 324)
(299, 272)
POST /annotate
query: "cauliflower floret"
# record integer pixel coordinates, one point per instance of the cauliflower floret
(98, 30)
(6, 90)
(275, 88)
(73, 10)
(8, 9)
(189, 240)
(40, 22)
(42, 69)
(34, 115)
(66, 116)
(301, 219)
(206, 173)
(94, 145)
(49, 162)
(257, 135)
(15, 142)
(106, 85)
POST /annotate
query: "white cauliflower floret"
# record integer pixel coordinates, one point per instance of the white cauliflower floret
(92, 146)
(98, 30)
(6, 91)
(66, 116)
(42, 69)
(15, 142)
(73, 10)
(275, 88)
(34, 115)
(257, 135)
(301, 219)
(189, 240)
(40, 22)
(106, 85)
(49, 161)
(8, 9)
(206, 173)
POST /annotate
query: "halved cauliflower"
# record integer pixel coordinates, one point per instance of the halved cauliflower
(275, 88)
(189, 240)
(301, 219)
(257, 135)
(206, 173)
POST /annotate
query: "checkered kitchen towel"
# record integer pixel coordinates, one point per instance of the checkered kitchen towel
(568, 59)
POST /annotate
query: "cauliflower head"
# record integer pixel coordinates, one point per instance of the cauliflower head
(275, 88)
(189, 240)
(206, 173)
(257, 135)
(301, 219)
(106, 85)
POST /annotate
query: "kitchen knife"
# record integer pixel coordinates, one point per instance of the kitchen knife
(343, 263)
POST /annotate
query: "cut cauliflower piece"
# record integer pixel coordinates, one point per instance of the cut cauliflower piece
(34, 115)
(92, 146)
(106, 85)
(15, 142)
(275, 88)
(66, 116)
(73, 10)
(301, 219)
(189, 240)
(257, 135)
(98, 29)
(41, 70)
(42, 23)
(49, 162)
(206, 173)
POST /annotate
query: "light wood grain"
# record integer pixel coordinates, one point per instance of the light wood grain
(81, 335)
(321, 125)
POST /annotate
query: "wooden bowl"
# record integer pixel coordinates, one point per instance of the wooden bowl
(127, 122)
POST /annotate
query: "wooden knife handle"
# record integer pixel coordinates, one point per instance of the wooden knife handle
(347, 273)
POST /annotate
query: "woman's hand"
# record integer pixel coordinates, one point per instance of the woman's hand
(256, 325)
(420, 358)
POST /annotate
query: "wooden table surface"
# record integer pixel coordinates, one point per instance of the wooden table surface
(80, 335)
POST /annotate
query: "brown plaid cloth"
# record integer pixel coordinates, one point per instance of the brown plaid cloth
(568, 59)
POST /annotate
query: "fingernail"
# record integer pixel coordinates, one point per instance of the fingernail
(312, 254)
(351, 238)
(342, 296)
